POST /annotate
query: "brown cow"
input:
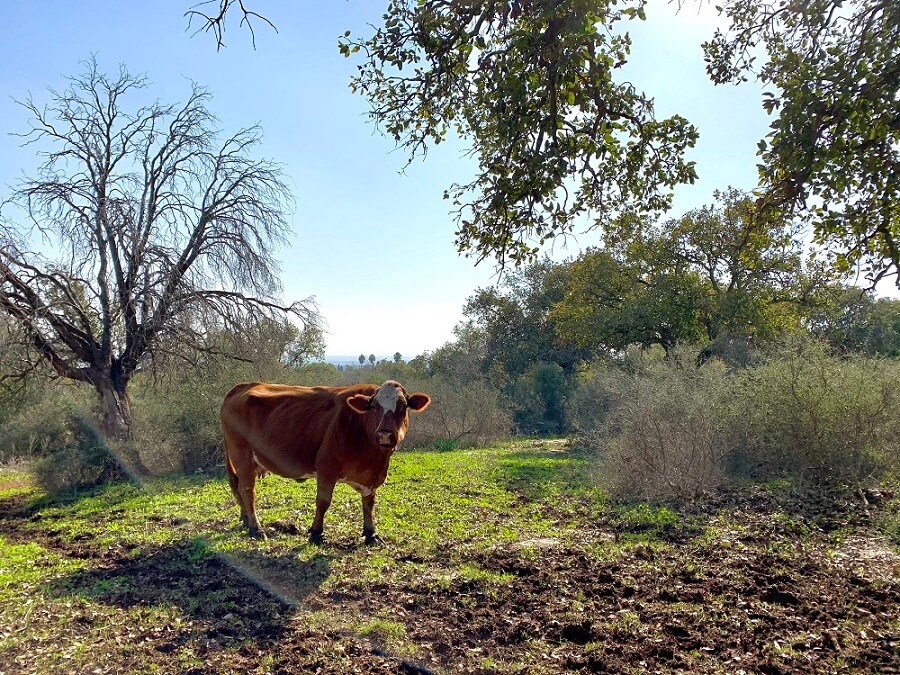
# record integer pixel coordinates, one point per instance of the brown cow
(333, 433)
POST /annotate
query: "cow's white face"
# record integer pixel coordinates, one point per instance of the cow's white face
(390, 405)
(389, 409)
(388, 397)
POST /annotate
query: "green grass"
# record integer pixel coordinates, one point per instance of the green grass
(435, 506)
(160, 577)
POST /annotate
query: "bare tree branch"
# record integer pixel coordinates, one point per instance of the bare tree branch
(215, 21)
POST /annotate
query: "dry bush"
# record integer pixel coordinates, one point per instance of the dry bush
(460, 415)
(176, 424)
(669, 429)
(659, 434)
(44, 422)
(78, 457)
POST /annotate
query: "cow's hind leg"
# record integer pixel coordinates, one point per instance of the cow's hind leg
(324, 491)
(234, 482)
(243, 482)
(368, 506)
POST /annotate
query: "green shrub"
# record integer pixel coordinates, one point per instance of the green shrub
(821, 418)
(78, 458)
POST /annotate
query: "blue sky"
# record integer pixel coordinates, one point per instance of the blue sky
(358, 219)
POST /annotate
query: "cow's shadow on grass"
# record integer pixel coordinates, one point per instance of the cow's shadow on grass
(239, 595)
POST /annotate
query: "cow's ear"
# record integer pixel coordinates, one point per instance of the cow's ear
(418, 402)
(359, 403)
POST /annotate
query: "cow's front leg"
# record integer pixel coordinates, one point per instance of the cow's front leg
(324, 490)
(368, 506)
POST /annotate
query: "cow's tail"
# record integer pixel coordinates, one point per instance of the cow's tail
(232, 474)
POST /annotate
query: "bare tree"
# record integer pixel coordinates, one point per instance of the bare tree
(153, 231)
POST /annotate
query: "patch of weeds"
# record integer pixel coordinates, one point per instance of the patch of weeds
(25, 564)
(627, 623)
(488, 663)
(644, 515)
(541, 475)
(198, 550)
(445, 444)
(725, 531)
(889, 522)
(691, 572)
(14, 482)
(104, 588)
(792, 525)
(642, 522)
(778, 486)
(383, 630)
(480, 575)
(389, 634)
(320, 620)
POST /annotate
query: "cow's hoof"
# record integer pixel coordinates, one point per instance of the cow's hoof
(257, 533)
(373, 540)
(316, 538)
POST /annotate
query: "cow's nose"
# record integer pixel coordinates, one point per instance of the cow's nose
(386, 438)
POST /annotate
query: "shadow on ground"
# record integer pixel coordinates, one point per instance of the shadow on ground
(542, 473)
(253, 587)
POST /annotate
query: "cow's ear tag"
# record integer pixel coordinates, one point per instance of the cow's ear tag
(359, 403)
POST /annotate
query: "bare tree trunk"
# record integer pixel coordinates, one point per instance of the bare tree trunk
(116, 410)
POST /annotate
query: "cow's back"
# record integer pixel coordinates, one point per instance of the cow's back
(287, 427)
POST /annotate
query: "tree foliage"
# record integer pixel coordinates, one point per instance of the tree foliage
(832, 70)
(518, 325)
(511, 339)
(720, 272)
(614, 301)
(154, 231)
(852, 320)
(533, 86)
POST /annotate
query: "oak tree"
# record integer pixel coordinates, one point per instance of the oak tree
(534, 86)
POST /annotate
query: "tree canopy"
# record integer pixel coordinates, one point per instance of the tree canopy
(832, 74)
(534, 87)
(719, 272)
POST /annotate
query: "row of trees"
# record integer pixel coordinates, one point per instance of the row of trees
(398, 357)
(721, 280)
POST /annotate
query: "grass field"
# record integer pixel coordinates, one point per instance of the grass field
(502, 560)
